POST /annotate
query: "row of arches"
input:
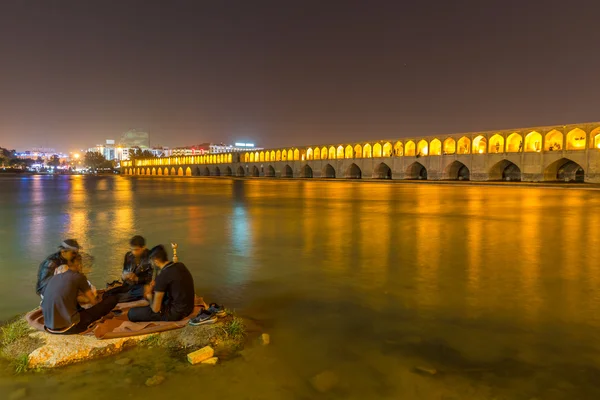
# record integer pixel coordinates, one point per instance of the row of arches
(182, 160)
(533, 141)
(561, 170)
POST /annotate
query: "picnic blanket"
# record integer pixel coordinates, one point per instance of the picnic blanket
(116, 326)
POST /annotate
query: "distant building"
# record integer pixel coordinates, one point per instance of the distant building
(212, 148)
(135, 138)
(108, 150)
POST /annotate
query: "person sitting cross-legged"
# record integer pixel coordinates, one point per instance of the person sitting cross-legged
(61, 310)
(173, 297)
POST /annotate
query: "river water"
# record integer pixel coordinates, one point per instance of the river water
(496, 287)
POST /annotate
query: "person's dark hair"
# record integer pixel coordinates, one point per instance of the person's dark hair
(159, 253)
(137, 241)
(69, 244)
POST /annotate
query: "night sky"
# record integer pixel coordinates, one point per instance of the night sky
(73, 74)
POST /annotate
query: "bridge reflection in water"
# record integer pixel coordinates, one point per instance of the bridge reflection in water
(552, 153)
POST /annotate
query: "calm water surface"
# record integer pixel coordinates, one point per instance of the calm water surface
(495, 287)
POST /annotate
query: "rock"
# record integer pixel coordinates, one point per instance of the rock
(325, 381)
(201, 355)
(59, 350)
(265, 339)
(155, 380)
(18, 394)
(211, 361)
(123, 361)
(425, 370)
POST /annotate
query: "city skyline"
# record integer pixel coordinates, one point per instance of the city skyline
(75, 74)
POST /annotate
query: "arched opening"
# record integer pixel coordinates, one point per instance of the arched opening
(376, 150)
(505, 171)
(514, 143)
(422, 148)
(262, 156)
(159, 172)
(255, 172)
(307, 171)
(564, 170)
(251, 158)
(272, 155)
(353, 172)
(296, 155)
(449, 146)
(287, 172)
(309, 154)
(533, 142)
(240, 171)
(409, 148)
(290, 155)
(479, 144)
(206, 172)
(217, 171)
(270, 171)
(173, 172)
(416, 171)
(349, 152)
(153, 171)
(496, 144)
(399, 149)
(457, 171)
(358, 151)
(317, 154)
(328, 172)
(595, 139)
(180, 172)
(576, 139)
(367, 152)
(435, 147)
(331, 153)
(278, 155)
(383, 171)
(166, 171)
(554, 140)
(284, 155)
(324, 153)
(188, 171)
(267, 156)
(464, 145)
(228, 171)
(387, 150)
(340, 152)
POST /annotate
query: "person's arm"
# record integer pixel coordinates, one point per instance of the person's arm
(157, 301)
(90, 296)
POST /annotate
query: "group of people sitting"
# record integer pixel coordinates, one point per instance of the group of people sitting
(147, 274)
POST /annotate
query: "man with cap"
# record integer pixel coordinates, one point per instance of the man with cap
(67, 252)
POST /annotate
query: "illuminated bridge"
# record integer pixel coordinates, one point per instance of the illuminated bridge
(549, 153)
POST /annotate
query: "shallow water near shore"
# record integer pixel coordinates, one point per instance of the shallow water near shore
(494, 287)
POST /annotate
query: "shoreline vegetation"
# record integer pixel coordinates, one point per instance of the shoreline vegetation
(21, 345)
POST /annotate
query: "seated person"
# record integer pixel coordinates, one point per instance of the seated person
(62, 313)
(137, 272)
(173, 297)
(67, 251)
(78, 262)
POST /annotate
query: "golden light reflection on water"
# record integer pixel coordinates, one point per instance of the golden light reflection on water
(78, 211)
(37, 236)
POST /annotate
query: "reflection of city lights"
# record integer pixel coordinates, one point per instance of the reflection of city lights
(480, 151)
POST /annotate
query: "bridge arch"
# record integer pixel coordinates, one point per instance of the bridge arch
(261, 156)
(188, 171)
(290, 155)
(399, 149)
(435, 147)
(159, 172)
(367, 151)
(449, 146)
(358, 151)
(270, 171)
(324, 153)
(240, 171)
(206, 171)
(505, 171)
(595, 139)
(383, 171)
(564, 170)
(533, 142)
(228, 171)
(166, 171)
(173, 172)
(416, 170)
(553, 140)
(340, 152)
(284, 155)
(296, 155)
(576, 139)
(317, 154)
(409, 148)
(423, 148)
(287, 172)
(496, 144)
(457, 171)
(307, 171)
(180, 172)
(328, 171)
(479, 145)
(153, 171)
(514, 143)
(353, 172)
(217, 171)
(464, 145)
(331, 154)
(376, 150)
(388, 150)
(349, 152)
(251, 157)
(278, 155)
(309, 154)
(255, 172)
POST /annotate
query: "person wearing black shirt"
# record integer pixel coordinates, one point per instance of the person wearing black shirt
(137, 272)
(67, 252)
(173, 297)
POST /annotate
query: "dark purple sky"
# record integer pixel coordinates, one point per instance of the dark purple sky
(291, 72)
